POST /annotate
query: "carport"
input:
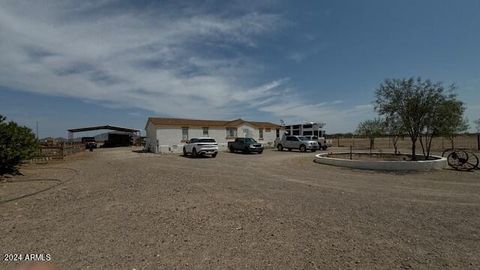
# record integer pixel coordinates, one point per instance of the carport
(113, 139)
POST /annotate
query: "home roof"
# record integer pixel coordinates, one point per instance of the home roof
(160, 121)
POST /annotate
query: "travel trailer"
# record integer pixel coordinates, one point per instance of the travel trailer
(312, 130)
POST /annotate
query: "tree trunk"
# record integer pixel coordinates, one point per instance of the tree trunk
(421, 144)
(429, 147)
(395, 144)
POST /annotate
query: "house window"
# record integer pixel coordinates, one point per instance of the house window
(278, 133)
(231, 132)
(260, 134)
(184, 133)
(205, 131)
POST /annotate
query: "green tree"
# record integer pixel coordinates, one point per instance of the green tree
(16, 144)
(444, 119)
(371, 129)
(394, 128)
(418, 105)
(451, 121)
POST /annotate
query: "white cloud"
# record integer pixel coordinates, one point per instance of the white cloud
(172, 62)
(299, 56)
(147, 60)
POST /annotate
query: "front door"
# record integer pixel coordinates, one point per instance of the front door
(246, 133)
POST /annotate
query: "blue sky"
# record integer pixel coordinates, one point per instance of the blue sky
(78, 63)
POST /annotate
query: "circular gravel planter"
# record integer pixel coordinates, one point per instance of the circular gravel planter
(381, 161)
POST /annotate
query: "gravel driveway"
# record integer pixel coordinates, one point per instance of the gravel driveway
(118, 209)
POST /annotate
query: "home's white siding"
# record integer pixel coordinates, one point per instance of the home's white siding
(249, 131)
(151, 138)
(219, 134)
(270, 137)
(168, 139)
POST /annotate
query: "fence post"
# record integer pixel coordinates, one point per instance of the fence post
(478, 141)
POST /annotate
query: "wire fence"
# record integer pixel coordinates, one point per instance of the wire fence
(470, 141)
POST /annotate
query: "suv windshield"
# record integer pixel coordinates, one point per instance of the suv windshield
(303, 138)
(250, 140)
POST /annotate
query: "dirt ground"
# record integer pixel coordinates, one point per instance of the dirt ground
(119, 209)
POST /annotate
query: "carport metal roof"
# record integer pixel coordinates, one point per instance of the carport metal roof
(73, 130)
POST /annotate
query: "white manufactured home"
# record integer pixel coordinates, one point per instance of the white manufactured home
(168, 135)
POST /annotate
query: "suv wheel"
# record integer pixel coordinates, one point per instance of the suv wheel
(214, 155)
(303, 148)
(184, 152)
(279, 147)
(194, 152)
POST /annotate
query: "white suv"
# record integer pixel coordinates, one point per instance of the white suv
(201, 146)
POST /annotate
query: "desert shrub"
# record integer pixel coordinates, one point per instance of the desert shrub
(16, 144)
(371, 129)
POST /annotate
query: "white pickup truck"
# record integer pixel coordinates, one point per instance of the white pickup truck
(322, 142)
(301, 143)
(204, 146)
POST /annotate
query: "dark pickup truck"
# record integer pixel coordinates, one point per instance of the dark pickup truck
(89, 142)
(246, 145)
